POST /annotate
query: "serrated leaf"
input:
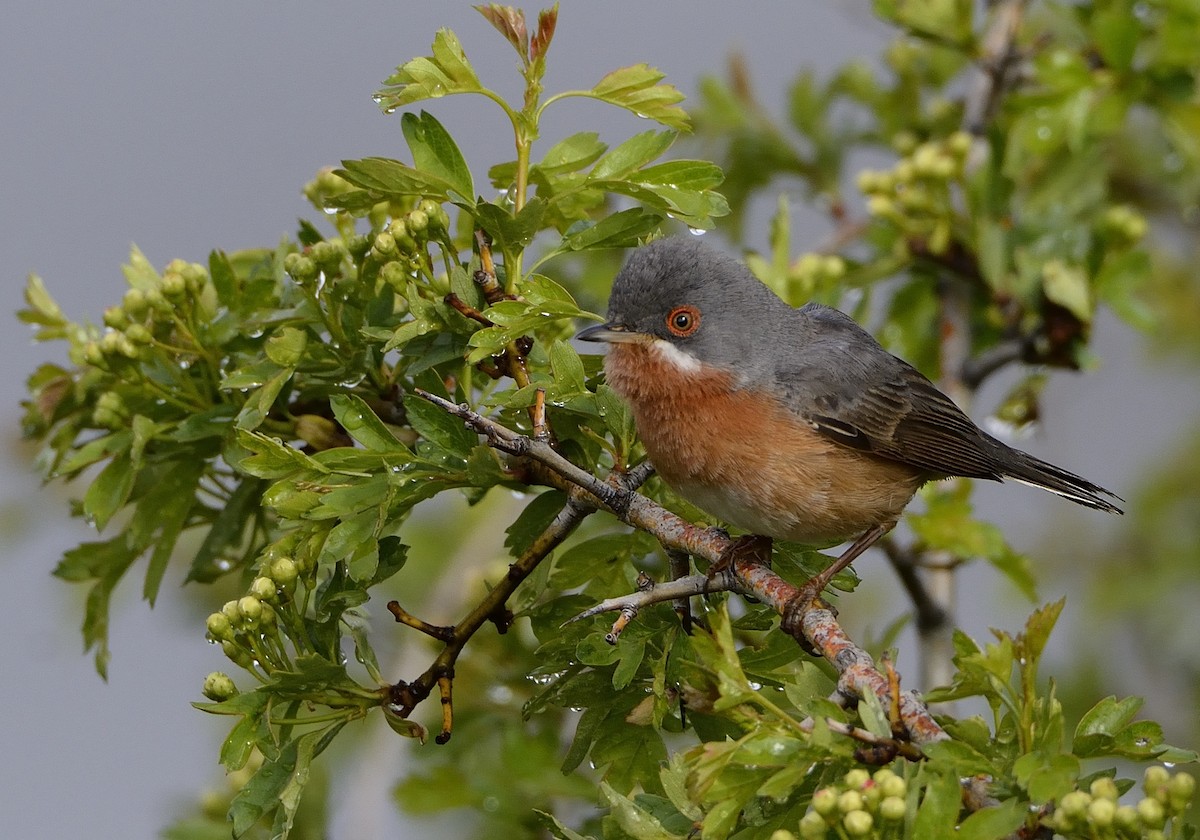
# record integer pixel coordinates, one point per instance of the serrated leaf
(110, 490)
(445, 72)
(387, 178)
(42, 307)
(167, 507)
(363, 424)
(506, 230)
(938, 812)
(620, 230)
(989, 823)
(567, 367)
(435, 152)
(285, 346)
(631, 155)
(637, 89)
(439, 428)
(571, 154)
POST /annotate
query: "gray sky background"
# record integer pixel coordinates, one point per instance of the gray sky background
(188, 126)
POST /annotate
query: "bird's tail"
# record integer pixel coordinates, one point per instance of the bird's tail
(1023, 467)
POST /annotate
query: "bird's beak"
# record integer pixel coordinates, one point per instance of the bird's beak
(612, 333)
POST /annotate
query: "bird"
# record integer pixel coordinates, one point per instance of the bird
(787, 423)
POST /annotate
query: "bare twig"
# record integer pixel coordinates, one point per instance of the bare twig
(814, 623)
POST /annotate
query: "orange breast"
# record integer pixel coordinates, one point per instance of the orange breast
(749, 461)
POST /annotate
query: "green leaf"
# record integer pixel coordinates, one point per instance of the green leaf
(1067, 285)
(363, 424)
(631, 155)
(506, 230)
(938, 813)
(439, 428)
(387, 178)
(989, 823)
(435, 152)
(634, 820)
(620, 230)
(42, 307)
(637, 89)
(165, 510)
(110, 490)
(227, 530)
(285, 346)
(571, 154)
(567, 367)
(445, 72)
(532, 521)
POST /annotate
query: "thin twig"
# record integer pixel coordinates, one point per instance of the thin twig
(814, 623)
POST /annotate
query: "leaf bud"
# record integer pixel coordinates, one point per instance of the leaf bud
(1151, 813)
(825, 801)
(126, 347)
(1155, 780)
(358, 245)
(135, 303)
(855, 779)
(218, 686)
(1126, 819)
(850, 800)
(251, 609)
(114, 316)
(782, 834)
(1180, 790)
(959, 143)
(385, 244)
(269, 617)
(418, 222)
(173, 285)
(1074, 805)
(1101, 812)
(813, 826)
(219, 627)
(92, 354)
(301, 268)
(263, 588)
(892, 808)
(158, 302)
(284, 572)
(892, 785)
(110, 343)
(237, 654)
(230, 611)
(1105, 788)
(395, 274)
(858, 823)
(138, 334)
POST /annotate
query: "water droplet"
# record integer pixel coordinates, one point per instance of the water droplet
(1170, 765)
(377, 99)
(1043, 132)
(223, 565)
(697, 231)
(1142, 742)
(330, 211)
(184, 364)
(755, 685)
(491, 804)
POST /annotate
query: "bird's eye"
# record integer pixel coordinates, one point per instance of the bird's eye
(683, 320)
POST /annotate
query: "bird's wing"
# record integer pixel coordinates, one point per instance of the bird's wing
(854, 392)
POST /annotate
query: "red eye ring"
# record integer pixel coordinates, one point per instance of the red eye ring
(683, 321)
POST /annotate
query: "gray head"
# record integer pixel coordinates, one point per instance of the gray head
(699, 300)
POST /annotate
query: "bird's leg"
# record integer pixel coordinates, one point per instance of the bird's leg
(815, 585)
(749, 547)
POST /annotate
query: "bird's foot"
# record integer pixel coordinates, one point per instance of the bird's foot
(749, 548)
(806, 597)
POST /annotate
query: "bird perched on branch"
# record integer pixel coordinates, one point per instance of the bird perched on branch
(787, 423)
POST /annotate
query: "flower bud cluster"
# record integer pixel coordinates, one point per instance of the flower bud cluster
(144, 315)
(247, 628)
(401, 245)
(1096, 812)
(863, 805)
(915, 193)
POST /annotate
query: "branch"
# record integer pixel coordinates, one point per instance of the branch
(814, 624)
